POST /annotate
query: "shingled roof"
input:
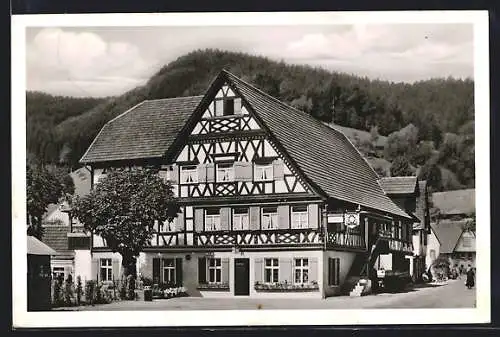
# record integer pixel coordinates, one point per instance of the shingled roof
(457, 202)
(448, 234)
(56, 237)
(145, 131)
(325, 155)
(398, 185)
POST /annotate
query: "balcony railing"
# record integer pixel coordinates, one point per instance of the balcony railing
(345, 240)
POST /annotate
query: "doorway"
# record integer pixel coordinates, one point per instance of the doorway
(241, 277)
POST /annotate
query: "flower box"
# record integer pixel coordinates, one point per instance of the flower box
(285, 287)
(213, 287)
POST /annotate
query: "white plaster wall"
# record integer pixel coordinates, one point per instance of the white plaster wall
(385, 261)
(83, 264)
(190, 272)
(432, 243)
(417, 245)
(346, 260)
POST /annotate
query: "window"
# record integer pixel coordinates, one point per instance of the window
(167, 226)
(212, 219)
(333, 271)
(263, 172)
(271, 270)
(269, 218)
(228, 107)
(106, 270)
(169, 271)
(214, 270)
(225, 172)
(432, 254)
(240, 219)
(189, 174)
(301, 271)
(58, 272)
(299, 217)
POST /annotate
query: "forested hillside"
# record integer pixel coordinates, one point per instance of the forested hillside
(429, 124)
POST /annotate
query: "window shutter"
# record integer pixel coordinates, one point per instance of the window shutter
(178, 272)
(225, 214)
(179, 221)
(210, 172)
(225, 270)
(313, 215)
(202, 173)
(330, 271)
(278, 170)
(116, 269)
(286, 270)
(337, 272)
(198, 219)
(156, 270)
(202, 270)
(284, 216)
(259, 266)
(174, 174)
(313, 269)
(254, 217)
(94, 269)
(243, 171)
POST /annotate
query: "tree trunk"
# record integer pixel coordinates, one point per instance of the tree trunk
(129, 275)
(129, 265)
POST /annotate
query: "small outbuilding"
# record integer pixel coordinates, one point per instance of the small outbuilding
(39, 275)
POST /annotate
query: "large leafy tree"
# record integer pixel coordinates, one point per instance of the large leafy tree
(123, 209)
(401, 167)
(42, 189)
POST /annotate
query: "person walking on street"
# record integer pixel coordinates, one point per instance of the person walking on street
(469, 283)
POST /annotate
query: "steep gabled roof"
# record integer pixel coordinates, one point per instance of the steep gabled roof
(455, 202)
(325, 155)
(448, 234)
(144, 131)
(399, 185)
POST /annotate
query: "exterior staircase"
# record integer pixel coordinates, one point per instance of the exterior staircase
(361, 288)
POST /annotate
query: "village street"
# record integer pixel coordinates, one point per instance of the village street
(451, 295)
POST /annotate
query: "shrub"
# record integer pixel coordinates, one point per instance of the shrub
(68, 292)
(58, 298)
(123, 290)
(89, 291)
(79, 290)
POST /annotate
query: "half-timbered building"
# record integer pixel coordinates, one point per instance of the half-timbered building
(273, 201)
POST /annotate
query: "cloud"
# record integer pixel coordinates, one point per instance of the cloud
(59, 56)
(110, 60)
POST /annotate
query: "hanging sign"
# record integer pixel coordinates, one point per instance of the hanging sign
(351, 220)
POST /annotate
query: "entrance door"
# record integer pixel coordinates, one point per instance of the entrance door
(242, 277)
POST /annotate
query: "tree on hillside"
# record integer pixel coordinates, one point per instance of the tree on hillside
(400, 167)
(432, 173)
(470, 225)
(402, 143)
(42, 189)
(123, 209)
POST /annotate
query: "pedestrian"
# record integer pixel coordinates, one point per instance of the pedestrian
(469, 283)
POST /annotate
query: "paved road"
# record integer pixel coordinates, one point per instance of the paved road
(451, 295)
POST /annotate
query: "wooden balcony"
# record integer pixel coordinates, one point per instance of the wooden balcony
(345, 240)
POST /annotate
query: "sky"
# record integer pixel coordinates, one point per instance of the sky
(106, 61)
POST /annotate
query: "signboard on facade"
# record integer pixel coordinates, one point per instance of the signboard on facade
(351, 220)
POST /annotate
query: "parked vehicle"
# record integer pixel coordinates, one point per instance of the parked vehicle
(393, 280)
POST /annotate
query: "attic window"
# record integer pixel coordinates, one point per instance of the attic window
(228, 107)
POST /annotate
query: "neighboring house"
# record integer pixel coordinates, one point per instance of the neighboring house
(447, 236)
(64, 234)
(411, 195)
(268, 194)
